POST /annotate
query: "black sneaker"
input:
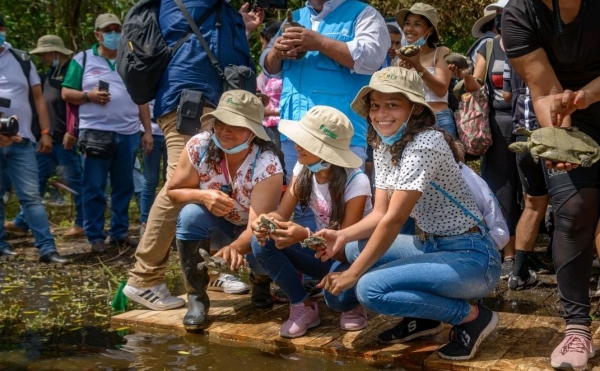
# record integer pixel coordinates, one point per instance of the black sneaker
(516, 283)
(409, 329)
(536, 265)
(465, 339)
(507, 268)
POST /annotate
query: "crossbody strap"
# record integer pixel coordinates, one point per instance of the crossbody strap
(460, 206)
(209, 53)
(352, 177)
(489, 47)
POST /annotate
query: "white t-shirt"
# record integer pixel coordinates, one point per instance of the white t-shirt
(13, 86)
(357, 184)
(155, 128)
(265, 164)
(428, 158)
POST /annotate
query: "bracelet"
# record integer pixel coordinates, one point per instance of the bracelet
(308, 230)
(45, 131)
(85, 97)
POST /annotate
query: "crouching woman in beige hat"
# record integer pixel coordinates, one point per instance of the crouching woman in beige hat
(225, 178)
(326, 179)
(426, 279)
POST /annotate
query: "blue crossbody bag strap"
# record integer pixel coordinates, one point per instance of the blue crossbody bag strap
(253, 164)
(352, 177)
(460, 206)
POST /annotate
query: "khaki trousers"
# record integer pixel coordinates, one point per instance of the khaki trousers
(152, 254)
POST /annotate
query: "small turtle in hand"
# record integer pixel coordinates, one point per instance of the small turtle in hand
(267, 224)
(409, 50)
(289, 22)
(459, 60)
(314, 243)
(214, 263)
(558, 145)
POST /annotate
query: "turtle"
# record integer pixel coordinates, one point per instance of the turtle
(558, 144)
(459, 60)
(214, 263)
(267, 224)
(409, 50)
(314, 243)
(289, 22)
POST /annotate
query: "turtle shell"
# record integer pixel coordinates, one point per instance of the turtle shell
(563, 145)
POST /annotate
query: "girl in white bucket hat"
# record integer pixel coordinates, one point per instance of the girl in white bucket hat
(326, 179)
(426, 279)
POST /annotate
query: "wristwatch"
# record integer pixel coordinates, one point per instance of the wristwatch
(422, 72)
(85, 97)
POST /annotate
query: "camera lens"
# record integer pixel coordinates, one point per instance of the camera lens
(9, 126)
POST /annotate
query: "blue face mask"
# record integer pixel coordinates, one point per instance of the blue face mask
(111, 40)
(231, 151)
(55, 62)
(2, 38)
(318, 166)
(420, 42)
(397, 136)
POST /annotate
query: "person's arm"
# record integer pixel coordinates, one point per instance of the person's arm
(45, 143)
(440, 82)
(506, 84)
(147, 141)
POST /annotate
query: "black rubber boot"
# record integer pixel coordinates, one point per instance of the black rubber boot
(261, 291)
(195, 283)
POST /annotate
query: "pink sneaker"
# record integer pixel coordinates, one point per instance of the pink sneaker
(301, 319)
(573, 352)
(354, 320)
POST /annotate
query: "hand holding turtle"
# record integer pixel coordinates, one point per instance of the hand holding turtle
(410, 56)
(335, 242)
(457, 72)
(288, 234)
(232, 256)
(282, 50)
(262, 227)
(566, 103)
(301, 40)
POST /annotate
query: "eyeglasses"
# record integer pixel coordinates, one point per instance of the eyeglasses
(116, 29)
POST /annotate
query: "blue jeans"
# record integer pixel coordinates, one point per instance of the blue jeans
(290, 157)
(95, 173)
(18, 162)
(445, 120)
(431, 279)
(71, 164)
(152, 174)
(196, 223)
(281, 266)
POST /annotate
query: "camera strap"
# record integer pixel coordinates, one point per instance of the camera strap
(194, 27)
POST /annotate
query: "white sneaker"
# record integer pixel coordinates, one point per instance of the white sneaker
(156, 297)
(229, 284)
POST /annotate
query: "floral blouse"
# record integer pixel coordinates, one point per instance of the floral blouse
(257, 167)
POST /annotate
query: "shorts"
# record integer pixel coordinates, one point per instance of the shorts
(530, 173)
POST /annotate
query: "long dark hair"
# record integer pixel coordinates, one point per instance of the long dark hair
(416, 124)
(337, 185)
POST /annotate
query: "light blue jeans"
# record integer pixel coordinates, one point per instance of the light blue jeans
(196, 223)
(152, 175)
(432, 279)
(19, 163)
(445, 120)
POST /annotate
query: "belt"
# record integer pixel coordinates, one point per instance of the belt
(424, 236)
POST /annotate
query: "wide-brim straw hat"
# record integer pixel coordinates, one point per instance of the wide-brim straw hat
(51, 43)
(500, 4)
(392, 80)
(326, 133)
(238, 108)
(422, 9)
(488, 16)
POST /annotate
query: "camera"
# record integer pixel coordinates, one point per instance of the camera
(264, 4)
(9, 126)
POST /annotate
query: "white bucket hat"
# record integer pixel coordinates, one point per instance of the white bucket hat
(488, 15)
(326, 133)
(50, 43)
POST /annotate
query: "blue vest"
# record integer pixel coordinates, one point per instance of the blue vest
(318, 80)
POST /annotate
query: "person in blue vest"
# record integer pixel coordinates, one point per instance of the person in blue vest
(345, 42)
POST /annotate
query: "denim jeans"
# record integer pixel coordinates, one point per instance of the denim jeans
(290, 157)
(196, 223)
(70, 162)
(18, 162)
(281, 266)
(431, 279)
(95, 172)
(445, 120)
(152, 174)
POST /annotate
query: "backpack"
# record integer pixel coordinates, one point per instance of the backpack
(143, 54)
(23, 58)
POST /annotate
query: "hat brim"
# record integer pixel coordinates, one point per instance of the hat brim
(49, 49)
(403, 13)
(476, 30)
(233, 119)
(494, 7)
(102, 25)
(361, 106)
(295, 131)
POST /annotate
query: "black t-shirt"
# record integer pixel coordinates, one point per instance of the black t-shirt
(527, 25)
(57, 108)
(494, 80)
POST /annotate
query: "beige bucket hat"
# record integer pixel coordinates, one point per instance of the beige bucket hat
(425, 10)
(106, 19)
(50, 43)
(392, 80)
(488, 15)
(326, 133)
(238, 108)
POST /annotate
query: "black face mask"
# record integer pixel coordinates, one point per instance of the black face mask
(498, 22)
